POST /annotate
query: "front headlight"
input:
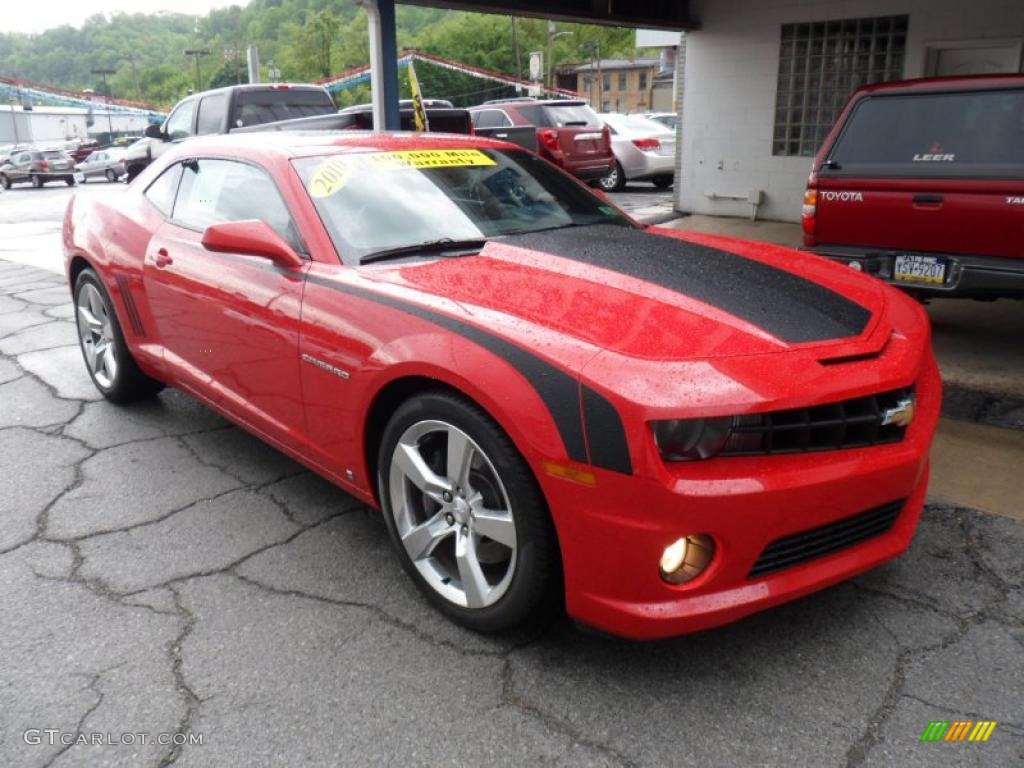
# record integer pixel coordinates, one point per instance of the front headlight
(691, 439)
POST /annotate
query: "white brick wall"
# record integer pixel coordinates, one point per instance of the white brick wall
(731, 68)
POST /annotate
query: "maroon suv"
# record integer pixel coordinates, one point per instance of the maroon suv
(921, 183)
(569, 133)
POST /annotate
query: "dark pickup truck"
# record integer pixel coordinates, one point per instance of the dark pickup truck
(269, 107)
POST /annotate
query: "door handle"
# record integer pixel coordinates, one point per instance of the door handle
(927, 199)
(163, 258)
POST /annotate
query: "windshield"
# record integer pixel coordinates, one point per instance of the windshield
(635, 124)
(378, 201)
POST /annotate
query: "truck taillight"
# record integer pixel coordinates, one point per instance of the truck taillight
(808, 215)
(549, 138)
(647, 144)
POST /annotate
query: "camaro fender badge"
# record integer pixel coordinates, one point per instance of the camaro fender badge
(325, 366)
(901, 414)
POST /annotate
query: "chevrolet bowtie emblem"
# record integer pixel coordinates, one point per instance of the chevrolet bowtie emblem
(901, 414)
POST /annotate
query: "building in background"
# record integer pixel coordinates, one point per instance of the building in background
(618, 85)
(663, 92)
(40, 125)
(762, 82)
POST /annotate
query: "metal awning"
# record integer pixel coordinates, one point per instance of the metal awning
(653, 14)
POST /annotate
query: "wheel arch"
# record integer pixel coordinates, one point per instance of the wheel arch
(404, 386)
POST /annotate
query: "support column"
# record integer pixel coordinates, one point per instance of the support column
(383, 63)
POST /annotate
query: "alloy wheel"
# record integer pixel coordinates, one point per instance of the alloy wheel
(96, 334)
(452, 514)
(610, 183)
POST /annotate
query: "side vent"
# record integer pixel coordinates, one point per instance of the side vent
(129, 304)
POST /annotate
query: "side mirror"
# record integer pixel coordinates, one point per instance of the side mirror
(153, 131)
(251, 237)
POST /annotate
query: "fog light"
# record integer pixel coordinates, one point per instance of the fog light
(855, 265)
(685, 559)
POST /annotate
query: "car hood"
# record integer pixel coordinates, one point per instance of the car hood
(656, 294)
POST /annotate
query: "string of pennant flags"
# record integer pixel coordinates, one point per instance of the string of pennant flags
(361, 75)
(27, 92)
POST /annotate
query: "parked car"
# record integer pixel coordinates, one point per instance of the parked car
(549, 403)
(645, 150)
(223, 110)
(38, 167)
(668, 119)
(108, 163)
(569, 132)
(81, 149)
(921, 183)
(12, 149)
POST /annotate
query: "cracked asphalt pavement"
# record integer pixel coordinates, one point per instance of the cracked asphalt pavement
(161, 571)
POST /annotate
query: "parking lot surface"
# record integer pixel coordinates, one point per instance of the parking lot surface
(163, 572)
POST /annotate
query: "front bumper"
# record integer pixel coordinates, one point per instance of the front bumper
(612, 535)
(966, 276)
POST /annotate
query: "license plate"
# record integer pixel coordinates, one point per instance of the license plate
(919, 269)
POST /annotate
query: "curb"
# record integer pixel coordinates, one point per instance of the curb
(965, 404)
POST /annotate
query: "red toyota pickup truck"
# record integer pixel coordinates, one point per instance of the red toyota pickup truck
(921, 183)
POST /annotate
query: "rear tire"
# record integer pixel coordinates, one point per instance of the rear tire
(662, 182)
(107, 359)
(37, 182)
(480, 546)
(615, 181)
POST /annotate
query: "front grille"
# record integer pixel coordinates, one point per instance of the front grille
(818, 542)
(852, 423)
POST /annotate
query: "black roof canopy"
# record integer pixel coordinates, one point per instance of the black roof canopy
(652, 14)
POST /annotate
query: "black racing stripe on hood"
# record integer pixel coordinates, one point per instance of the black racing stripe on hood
(785, 305)
(559, 391)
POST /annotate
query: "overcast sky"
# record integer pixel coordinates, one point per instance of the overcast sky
(37, 15)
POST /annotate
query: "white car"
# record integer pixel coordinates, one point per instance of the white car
(107, 163)
(645, 150)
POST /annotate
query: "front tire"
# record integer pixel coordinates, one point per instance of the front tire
(4, 181)
(662, 182)
(110, 364)
(69, 180)
(466, 516)
(615, 181)
(111, 176)
(37, 182)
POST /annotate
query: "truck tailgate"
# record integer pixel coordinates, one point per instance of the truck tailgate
(931, 215)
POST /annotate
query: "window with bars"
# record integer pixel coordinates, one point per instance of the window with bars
(820, 64)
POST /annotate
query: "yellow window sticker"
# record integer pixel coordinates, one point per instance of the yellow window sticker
(333, 174)
(428, 158)
(330, 176)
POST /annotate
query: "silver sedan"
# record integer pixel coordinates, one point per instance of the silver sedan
(645, 150)
(102, 162)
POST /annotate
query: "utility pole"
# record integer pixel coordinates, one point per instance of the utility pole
(515, 45)
(552, 36)
(103, 72)
(196, 53)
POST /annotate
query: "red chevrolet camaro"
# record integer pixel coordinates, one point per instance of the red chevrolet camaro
(548, 402)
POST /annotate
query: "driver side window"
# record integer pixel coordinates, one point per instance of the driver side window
(215, 191)
(179, 124)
